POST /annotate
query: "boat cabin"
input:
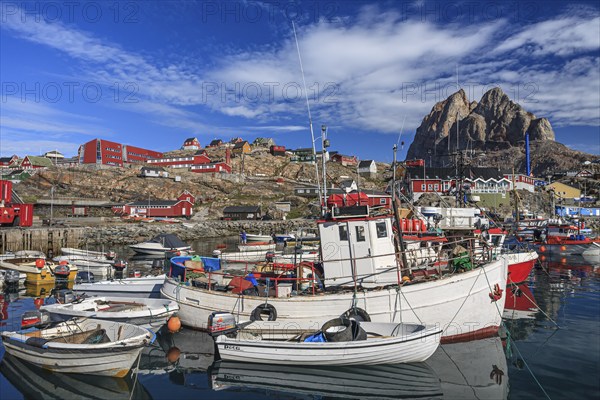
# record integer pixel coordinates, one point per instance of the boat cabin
(357, 247)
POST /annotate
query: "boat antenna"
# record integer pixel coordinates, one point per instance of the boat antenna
(312, 134)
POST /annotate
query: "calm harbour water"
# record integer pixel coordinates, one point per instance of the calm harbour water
(565, 361)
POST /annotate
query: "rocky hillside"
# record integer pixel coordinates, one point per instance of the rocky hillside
(495, 130)
(256, 179)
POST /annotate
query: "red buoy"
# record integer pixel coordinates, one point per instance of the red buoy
(39, 263)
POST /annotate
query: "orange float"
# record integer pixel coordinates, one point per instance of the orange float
(174, 324)
(39, 263)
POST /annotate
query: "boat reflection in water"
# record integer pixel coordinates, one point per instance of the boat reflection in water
(38, 383)
(189, 354)
(520, 311)
(355, 382)
(475, 369)
(472, 370)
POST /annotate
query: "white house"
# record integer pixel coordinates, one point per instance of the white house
(367, 168)
(153, 172)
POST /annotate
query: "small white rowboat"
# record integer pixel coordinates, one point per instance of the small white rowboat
(82, 346)
(147, 313)
(361, 343)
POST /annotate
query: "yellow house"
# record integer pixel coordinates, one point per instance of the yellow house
(562, 191)
(242, 148)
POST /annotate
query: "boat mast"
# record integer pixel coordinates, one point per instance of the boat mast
(312, 134)
(399, 242)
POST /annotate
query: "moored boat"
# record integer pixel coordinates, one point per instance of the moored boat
(85, 346)
(520, 264)
(147, 313)
(359, 275)
(566, 240)
(37, 271)
(339, 342)
(251, 237)
(256, 246)
(144, 287)
(161, 244)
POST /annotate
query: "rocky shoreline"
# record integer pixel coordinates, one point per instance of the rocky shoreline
(135, 233)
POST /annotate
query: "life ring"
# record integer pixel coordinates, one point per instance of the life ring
(257, 313)
(357, 314)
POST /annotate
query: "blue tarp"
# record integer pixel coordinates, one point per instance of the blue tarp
(211, 264)
(317, 337)
(252, 279)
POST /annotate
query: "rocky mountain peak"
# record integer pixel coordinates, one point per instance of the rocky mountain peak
(493, 123)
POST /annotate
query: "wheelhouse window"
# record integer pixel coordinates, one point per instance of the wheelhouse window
(381, 229)
(343, 232)
(360, 233)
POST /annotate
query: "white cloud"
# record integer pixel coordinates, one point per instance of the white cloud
(369, 73)
(560, 37)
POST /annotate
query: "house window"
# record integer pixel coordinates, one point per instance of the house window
(382, 201)
(422, 187)
(343, 232)
(429, 187)
(436, 187)
(381, 229)
(360, 233)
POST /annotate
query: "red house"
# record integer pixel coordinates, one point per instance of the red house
(212, 167)
(182, 207)
(6, 161)
(191, 144)
(344, 159)
(104, 152)
(277, 150)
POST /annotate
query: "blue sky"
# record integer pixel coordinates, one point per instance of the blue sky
(153, 73)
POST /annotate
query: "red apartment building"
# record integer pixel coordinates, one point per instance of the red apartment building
(104, 152)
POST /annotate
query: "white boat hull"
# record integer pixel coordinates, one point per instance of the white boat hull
(460, 304)
(146, 313)
(113, 358)
(146, 287)
(143, 248)
(256, 247)
(258, 238)
(244, 256)
(408, 346)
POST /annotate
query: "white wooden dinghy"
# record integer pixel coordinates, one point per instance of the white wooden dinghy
(84, 346)
(347, 342)
(147, 313)
(144, 287)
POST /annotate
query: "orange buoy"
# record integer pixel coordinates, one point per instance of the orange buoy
(174, 324)
(563, 260)
(173, 354)
(63, 262)
(39, 263)
(405, 278)
(563, 248)
(543, 249)
(38, 302)
(543, 258)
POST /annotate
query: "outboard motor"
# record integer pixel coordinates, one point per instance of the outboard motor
(64, 296)
(221, 323)
(119, 268)
(158, 264)
(216, 253)
(34, 319)
(11, 277)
